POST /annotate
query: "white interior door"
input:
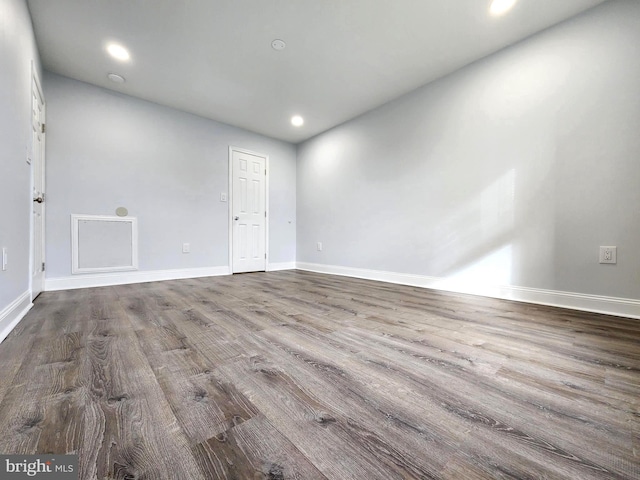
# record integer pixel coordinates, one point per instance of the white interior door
(37, 170)
(249, 213)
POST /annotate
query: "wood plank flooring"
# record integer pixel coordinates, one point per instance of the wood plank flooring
(296, 375)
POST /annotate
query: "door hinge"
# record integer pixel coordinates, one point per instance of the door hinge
(265, 214)
(43, 266)
(265, 256)
(265, 171)
(43, 128)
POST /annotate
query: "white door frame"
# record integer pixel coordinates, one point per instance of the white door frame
(266, 203)
(36, 84)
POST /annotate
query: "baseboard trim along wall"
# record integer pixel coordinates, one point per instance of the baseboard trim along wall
(577, 301)
(125, 278)
(622, 307)
(274, 267)
(11, 315)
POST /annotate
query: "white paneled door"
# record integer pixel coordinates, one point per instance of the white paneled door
(36, 157)
(249, 212)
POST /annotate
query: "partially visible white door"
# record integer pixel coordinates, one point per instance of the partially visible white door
(37, 171)
(248, 209)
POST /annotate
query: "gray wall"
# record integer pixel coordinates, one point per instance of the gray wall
(513, 170)
(17, 52)
(106, 150)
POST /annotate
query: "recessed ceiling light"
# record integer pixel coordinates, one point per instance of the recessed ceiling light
(114, 77)
(498, 7)
(278, 44)
(118, 52)
(297, 121)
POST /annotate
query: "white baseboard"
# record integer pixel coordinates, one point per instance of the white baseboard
(623, 307)
(125, 278)
(11, 315)
(577, 301)
(274, 267)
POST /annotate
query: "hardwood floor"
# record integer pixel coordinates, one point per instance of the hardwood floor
(307, 376)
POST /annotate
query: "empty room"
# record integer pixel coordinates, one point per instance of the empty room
(331, 239)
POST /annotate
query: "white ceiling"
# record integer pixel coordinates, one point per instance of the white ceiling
(343, 57)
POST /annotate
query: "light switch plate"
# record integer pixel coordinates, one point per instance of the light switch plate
(223, 197)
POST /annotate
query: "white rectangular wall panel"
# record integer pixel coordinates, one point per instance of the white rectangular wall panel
(103, 243)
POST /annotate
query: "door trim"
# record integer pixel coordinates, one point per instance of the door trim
(36, 84)
(230, 201)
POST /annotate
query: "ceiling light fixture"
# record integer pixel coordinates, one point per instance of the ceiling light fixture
(118, 52)
(297, 121)
(114, 77)
(498, 7)
(278, 44)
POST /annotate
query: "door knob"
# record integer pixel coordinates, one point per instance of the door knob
(38, 199)
(237, 218)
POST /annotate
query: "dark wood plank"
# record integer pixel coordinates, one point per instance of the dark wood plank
(204, 406)
(254, 450)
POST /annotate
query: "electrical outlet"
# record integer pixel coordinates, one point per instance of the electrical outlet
(186, 248)
(5, 259)
(319, 246)
(608, 254)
